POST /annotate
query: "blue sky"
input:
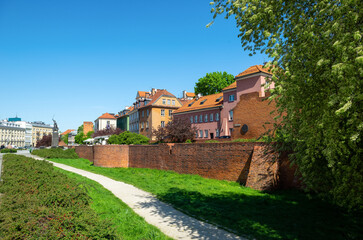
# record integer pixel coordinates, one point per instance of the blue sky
(77, 59)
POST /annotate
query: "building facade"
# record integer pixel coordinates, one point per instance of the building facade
(105, 121)
(40, 129)
(87, 127)
(155, 109)
(123, 120)
(11, 134)
(204, 114)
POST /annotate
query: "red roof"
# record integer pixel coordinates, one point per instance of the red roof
(68, 131)
(233, 85)
(157, 95)
(107, 116)
(254, 69)
(209, 101)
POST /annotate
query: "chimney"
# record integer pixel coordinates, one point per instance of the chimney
(184, 94)
(153, 91)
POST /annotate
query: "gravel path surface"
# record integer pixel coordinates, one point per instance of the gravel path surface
(170, 221)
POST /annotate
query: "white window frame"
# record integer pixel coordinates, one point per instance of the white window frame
(217, 132)
(173, 102)
(231, 98)
(201, 133)
(211, 117)
(168, 101)
(164, 101)
(230, 115)
(206, 133)
(170, 112)
(217, 116)
(162, 112)
(162, 124)
(201, 118)
(196, 118)
(191, 119)
(206, 118)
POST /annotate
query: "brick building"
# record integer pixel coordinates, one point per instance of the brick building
(87, 127)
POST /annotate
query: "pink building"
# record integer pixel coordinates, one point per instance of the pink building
(204, 113)
(248, 81)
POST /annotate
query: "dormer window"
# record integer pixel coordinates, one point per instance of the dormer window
(218, 99)
(231, 98)
(190, 104)
(202, 102)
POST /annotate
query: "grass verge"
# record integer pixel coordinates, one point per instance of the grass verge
(247, 212)
(127, 223)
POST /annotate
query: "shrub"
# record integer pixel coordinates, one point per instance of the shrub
(128, 138)
(7, 150)
(106, 132)
(46, 141)
(41, 203)
(56, 153)
(188, 141)
(179, 130)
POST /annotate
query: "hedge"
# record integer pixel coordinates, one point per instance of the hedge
(41, 203)
(6, 150)
(56, 153)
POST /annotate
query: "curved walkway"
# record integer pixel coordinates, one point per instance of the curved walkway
(171, 222)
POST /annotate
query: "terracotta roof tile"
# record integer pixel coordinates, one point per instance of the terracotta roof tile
(190, 94)
(156, 96)
(253, 69)
(107, 116)
(142, 93)
(68, 131)
(233, 85)
(207, 102)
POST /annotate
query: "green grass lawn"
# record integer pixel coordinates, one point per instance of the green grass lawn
(127, 223)
(247, 212)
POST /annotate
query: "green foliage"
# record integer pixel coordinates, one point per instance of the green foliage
(247, 212)
(55, 153)
(213, 83)
(40, 203)
(128, 225)
(188, 141)
(128, 138)
(65, 138)
(8, 150)
(89, 134)
(80, 129)
(79, 138)
(316, 48)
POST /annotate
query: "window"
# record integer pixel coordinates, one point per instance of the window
(206, 118)
(191, 119)
(147, 112)
(142, 125)
(170, 112)
(231, 98)
(173, 102)
(211, 117)
(147, 124)
(196, 134)
(217, 132)
(201, 118)
(164, 101)
(200, 133)
(168, 101)
(217, 116)
(162, 112)
(162, 124)
(206, 133)
(230, 115)
(202, 102)
(218, 99)
(142, 113)
(195, 118)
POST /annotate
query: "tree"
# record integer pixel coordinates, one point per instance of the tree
(178, 130)
(213, 83)
(45, 141)
(65, 138)
(316, 56)
(105, 132)
(128, 138)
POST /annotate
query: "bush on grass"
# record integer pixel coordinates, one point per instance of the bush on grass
(56, 153)
(6, 150)
(41, 203)
(128, 138)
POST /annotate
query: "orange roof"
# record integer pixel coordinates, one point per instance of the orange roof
(68, 131)
(157, 95)
(233, 85)
(107, 116)
(253, 69)
(142, 93)
(209, 101)
(190, 94)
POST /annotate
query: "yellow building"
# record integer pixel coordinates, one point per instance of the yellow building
(155, 108)
(39, 129)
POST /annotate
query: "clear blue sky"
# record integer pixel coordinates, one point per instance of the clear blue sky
(77, 59)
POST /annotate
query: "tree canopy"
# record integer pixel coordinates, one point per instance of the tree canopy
(315, 47)
(213, 83)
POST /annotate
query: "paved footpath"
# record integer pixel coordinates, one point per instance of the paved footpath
(170, 221)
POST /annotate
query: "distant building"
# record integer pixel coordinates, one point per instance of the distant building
(105, 121)
(154, 109)
(28, 132)
(39, 129)
(11, 134)
(123, 120)
(66, 132)
(87, 127)
(204, 114)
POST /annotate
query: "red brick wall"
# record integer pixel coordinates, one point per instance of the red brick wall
(85, 152)
(254, 112)
(224, 161)
(111, 156)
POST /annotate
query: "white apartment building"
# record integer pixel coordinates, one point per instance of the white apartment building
(105, 121)
(39, 129)
(11, 134)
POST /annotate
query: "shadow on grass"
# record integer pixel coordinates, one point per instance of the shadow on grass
(288, 215)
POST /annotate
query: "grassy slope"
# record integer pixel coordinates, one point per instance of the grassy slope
(128, 224)
(284, 215)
